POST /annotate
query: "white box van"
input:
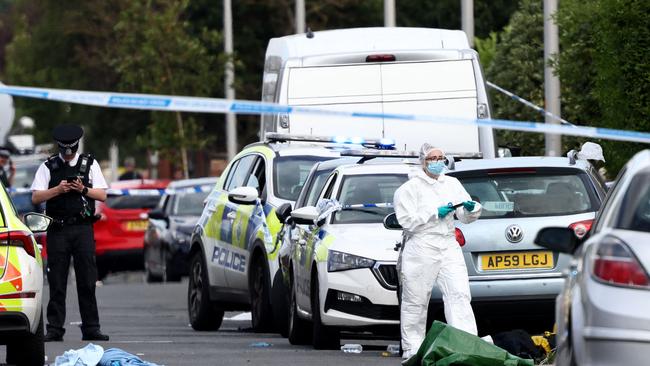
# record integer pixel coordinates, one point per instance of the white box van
(382, 70)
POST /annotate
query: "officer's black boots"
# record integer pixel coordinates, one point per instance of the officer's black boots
(94, 336)
(53, 337)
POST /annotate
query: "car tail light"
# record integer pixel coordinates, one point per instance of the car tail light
(614, 263)
(460, 238)
(581, 228)
(380, 58)
(18, 238)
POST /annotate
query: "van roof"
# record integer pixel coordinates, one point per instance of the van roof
(370, 40)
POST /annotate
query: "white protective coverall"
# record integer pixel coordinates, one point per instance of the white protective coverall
(432, 254)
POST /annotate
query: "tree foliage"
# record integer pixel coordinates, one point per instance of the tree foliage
(154, 53)
(518, 65)
(604, 76)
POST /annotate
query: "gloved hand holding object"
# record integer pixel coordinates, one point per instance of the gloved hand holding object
(444, 211)
(469, 205)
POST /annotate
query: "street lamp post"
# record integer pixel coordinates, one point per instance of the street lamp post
(389, 13)
(551, 81)
(467, 19)
(231, 121)
(300, 16)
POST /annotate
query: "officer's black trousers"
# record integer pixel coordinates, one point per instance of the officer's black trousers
(76, 241)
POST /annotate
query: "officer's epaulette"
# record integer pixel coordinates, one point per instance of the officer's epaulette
(53, 162)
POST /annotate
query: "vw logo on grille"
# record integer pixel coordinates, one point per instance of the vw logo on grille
(514, 234)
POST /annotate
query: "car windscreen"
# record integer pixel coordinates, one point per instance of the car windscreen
(189, 204)
(130, 202)
(635, 206)
(530, 193)
(290, 174)
(24, 176)
(367, 189)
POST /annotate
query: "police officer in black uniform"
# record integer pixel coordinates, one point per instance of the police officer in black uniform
(69, 184)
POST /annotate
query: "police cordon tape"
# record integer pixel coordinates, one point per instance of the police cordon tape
(139, 192)
(219, 105)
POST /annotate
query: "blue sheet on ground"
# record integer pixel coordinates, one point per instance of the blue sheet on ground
(87, 356)
(118, 357)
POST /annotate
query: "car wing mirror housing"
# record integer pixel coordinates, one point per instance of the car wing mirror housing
(391, 223)
(157, 214)
(307, 215)
(36, 222)
(283, 212)
(558, 239)
(243, 195)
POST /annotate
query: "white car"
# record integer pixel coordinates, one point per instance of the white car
(342, 270)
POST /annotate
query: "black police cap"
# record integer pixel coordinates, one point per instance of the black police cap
(4, 152)
(67, 133)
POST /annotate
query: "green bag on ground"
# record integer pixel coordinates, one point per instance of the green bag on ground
(445, 345)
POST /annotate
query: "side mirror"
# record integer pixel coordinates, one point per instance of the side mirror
(243, 195)
(283, 212)
(36, 222)
(157, 214)
(559, 239)
(391, 223)
(305, 215)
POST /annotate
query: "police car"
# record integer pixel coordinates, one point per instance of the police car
(21, 285)
(233, 255)
(339, 258)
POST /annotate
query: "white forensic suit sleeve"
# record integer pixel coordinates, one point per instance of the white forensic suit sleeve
(410, 214)
(463, 215)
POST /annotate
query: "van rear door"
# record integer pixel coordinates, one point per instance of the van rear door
(446, 88)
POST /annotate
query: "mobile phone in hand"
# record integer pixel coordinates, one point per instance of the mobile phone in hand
(71, 178)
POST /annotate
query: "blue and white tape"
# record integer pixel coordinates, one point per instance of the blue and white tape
(138, 192)
(527, 103)
(217, 105)
(368, 205)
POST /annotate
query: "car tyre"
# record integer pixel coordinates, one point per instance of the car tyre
(149, 276)
(169, 274)
(261, 312)
(280, 304)
(204, 314)
(298, 330)
(324, 337)
(28, 350)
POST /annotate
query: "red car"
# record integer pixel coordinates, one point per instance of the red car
(119, 233)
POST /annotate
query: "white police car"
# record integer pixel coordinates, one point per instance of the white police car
(233, 255)
(340, 261)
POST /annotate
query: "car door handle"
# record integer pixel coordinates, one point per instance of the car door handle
(231, 215)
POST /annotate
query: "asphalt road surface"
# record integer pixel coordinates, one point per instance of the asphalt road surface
(150, 321)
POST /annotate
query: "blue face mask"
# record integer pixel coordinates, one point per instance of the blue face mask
(436, 167)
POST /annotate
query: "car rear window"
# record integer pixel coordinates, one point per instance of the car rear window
(367, 189)
(132, 202)
(189, 204)
(635, 207)
(290, 174)
(530, 193)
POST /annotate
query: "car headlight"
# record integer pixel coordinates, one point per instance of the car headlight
(339, 261)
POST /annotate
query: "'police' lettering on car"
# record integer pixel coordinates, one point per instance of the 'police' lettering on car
(228, 259)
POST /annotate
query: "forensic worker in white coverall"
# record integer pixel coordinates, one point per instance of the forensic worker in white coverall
(431, 253)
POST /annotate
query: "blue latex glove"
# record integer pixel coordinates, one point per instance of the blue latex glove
(469, 205)
(444, 211)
